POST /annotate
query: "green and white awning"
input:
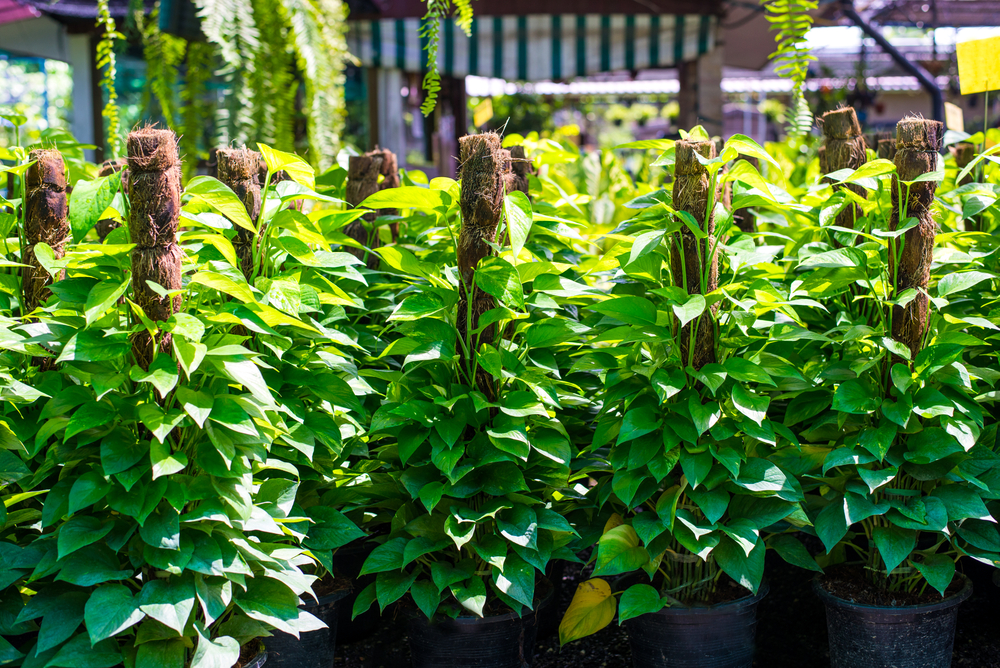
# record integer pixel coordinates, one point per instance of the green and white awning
(537, 47)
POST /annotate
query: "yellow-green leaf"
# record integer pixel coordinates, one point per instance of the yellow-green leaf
(298, 169)
(592, 608)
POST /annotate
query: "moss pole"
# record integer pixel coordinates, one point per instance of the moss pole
(154, 187)
(917, 144)
(845, 149)
(238, 169)
(46, 221)
(362, 182)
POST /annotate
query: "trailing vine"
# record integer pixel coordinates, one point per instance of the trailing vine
(195, 111)
(792, 20)
(163, 54)
(430, 30)
(106, 62)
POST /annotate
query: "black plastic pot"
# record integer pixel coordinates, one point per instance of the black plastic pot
(347, 562)
(314, 649)
(874, 636)
(503, 641)
(717, 636)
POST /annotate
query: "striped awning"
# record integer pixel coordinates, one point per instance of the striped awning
(537, 47)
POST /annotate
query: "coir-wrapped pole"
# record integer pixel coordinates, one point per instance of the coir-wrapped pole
(362, 182)
(885, 145)
(688, 254)
(46, 221)
(390, 179)
(845, 149)
(238, 169)
(482, 172)
(154, 187)
(109, 167)
(917, 144)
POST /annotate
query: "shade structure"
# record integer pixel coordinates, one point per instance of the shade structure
(537, 47)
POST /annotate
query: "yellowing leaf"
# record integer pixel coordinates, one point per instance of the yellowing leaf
(592, 608)
(221, 199)
(225, 284)
(298, 169)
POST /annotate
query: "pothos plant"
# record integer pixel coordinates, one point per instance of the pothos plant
(693, 352)
(167, 524)
(909, 479)
(472, 509)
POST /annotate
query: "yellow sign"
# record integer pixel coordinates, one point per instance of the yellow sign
(979, 65)
(483, 112)
(954, 117)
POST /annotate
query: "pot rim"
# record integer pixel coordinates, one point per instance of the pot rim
(718, 608)
(950, 601)
(258, 660)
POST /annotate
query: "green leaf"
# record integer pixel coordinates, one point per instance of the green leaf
(79, 532)
(221, 199)
(90, 415)
(747, 570)
(894, 544)
(364, 601)
(12, 469)
(471, 595)
(89, 200)
(162, 374)
(592, 608)
(517, 213)
(224, 284)
(937, 569)
(497, 277)
(408, 197)
(958, 282)
(196, 403)
(427, 597)
(168, 602)
(691, 309)
(93, 346)
(298, 169)
(158, 422)
(517, 579)
(190, 355)
(754, 406)
(628, 309)
(109, 611)
(794, 552)
(78, 653)
(962, 503)
(639, 599)
(854, 397)
(101, 297)
(222, 652)
(878, 441)
(161, 654)
(385, 557)
(390, 586)
(162, 528)
(88, 489)
(519, 525)
(619, 551)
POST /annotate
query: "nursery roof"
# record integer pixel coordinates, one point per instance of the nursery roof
(67, 11)
(538, 47)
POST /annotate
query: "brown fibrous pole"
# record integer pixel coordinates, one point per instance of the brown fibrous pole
(484, 169)
(522, 167)
(46, 221)
(885, 145)
(238, 169)
(390, 179)
(917, 144)
(362, 182)
(109, 167)
(845, 149)
(154, 187)
(691, 192)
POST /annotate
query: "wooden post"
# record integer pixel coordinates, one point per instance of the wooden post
(154, 187)
(917, 144)
(845, 149)
(46, 221)
(691, 194)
